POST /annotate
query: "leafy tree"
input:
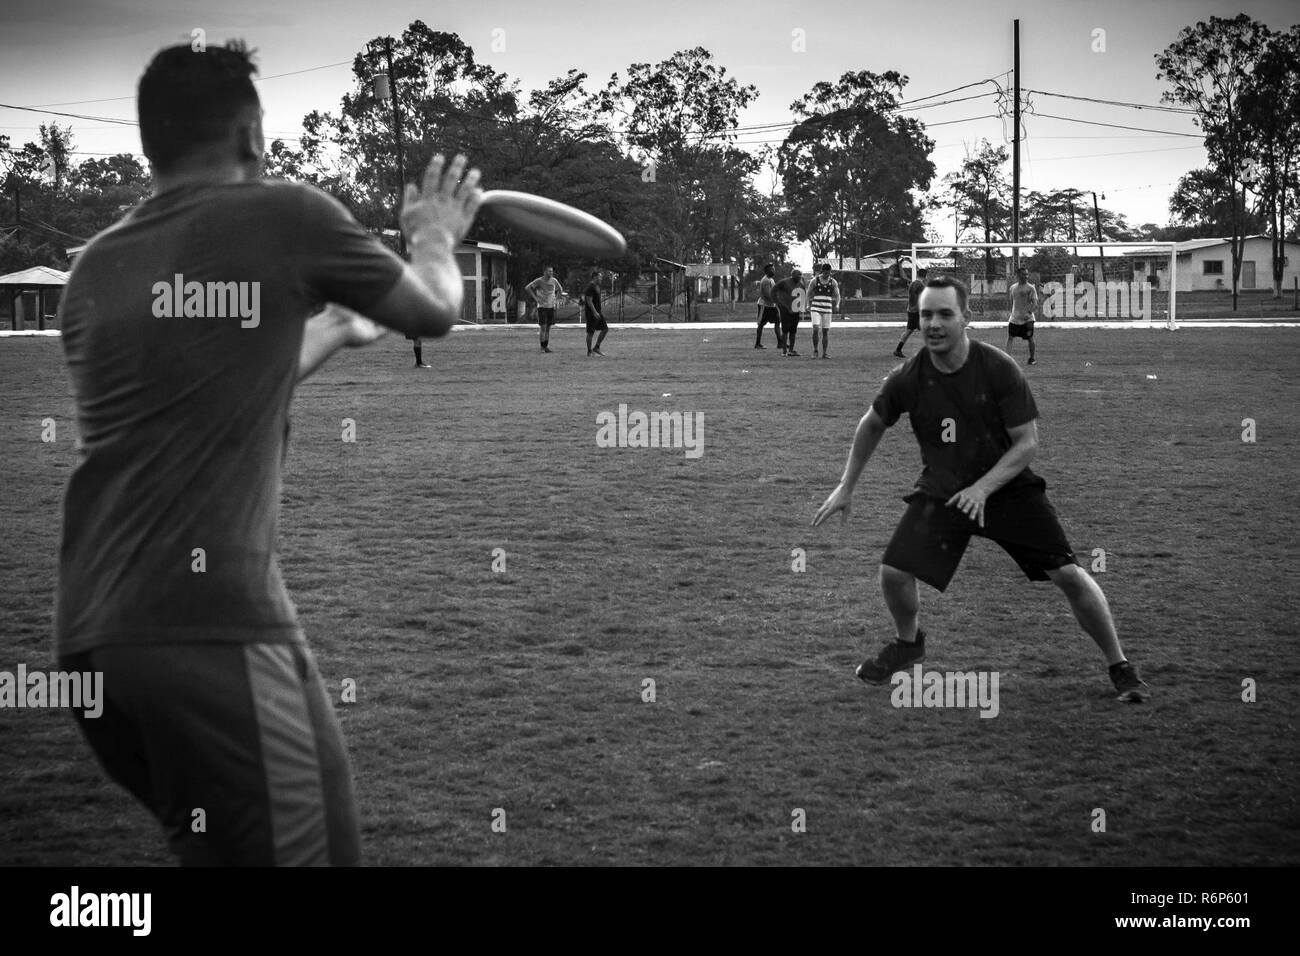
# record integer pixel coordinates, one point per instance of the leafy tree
(1270, 107)
(1209, 68)
(980, 195)
(852, 167)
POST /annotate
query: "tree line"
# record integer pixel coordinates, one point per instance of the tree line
(658, 152)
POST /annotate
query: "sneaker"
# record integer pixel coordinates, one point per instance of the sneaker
(1132, 688)
(598, 352)
(898, 353)
(1032, 362)
(815, 355)
(784, 352)
(423, 365)
(824, 355)
(793, 352)
(894, 657)
(760, 346)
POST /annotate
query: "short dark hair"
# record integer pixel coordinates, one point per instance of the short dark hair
(187, 99)
(770, 267)
(950, 282)
(922, 272)
(826, 267)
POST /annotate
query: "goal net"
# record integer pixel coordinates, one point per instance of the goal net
(1114, 282)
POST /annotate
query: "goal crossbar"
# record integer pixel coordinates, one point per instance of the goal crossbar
(1096, 250)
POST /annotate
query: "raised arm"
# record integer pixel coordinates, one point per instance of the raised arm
(426, 299)
(870, 429)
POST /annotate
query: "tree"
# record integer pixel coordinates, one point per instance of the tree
(980, 196)
(1203, 201)
(852, 167)
(1270, 108)
(1209, 67)
(678, 118)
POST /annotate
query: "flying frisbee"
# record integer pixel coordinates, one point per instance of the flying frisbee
(555, 224)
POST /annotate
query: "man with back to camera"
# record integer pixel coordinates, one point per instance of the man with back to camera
(913, 311)
(976, 422)
(791, 299)
(185, 329)
(767, 310)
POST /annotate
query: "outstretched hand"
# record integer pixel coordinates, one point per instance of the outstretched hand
(841, 500)
(445, 202)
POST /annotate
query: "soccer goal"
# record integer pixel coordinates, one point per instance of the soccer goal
(1123, 282)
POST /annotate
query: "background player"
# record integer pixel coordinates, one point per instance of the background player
(544, 290)
(976, 422)
(1022, 302)
(418, 346)
(169, 582)
(913, 310)
(791, 300)
(767, 310)
(595, 319)
(823, 302)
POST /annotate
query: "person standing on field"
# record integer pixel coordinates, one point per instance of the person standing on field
(977, 425)
(1022, 303)
(544, 290)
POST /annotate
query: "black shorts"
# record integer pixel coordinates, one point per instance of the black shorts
(244, 732)
(914, 321)
(789, 320)
(545, 317)
(931, 537)
(1024, 330)
(596, 324)
(769, 313)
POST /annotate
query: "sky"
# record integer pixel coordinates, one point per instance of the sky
(86, 57)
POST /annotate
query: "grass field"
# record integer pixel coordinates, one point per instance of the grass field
(522, 690)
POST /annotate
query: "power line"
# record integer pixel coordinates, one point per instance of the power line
(1140, 129)
(1136, 106)
(1130, 152)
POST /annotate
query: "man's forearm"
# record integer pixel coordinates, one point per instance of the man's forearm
(1013, 461)
(865, 440)
(322, 336)
(434, 261)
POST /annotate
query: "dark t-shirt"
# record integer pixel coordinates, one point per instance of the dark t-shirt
(184, 421)
(985, 397)
(784, 291)
(914, 295)
(593, 294)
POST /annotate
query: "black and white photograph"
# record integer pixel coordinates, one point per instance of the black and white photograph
(422, 445)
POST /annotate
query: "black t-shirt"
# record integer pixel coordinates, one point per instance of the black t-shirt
(914, 295)
(590, 297)
(184, 418)
(784, 291)
(972, 407)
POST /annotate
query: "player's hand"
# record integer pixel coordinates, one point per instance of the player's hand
(447, 202)
(970, 502)
(354, 329)
(841, 500)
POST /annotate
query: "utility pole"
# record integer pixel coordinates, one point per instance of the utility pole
(385, 91)
(1015, 153)
(1097, 215)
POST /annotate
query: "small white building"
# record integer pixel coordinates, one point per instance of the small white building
(1206, 264)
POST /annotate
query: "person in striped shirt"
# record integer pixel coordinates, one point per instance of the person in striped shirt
(823, 302)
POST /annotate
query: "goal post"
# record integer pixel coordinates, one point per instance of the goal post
(1129, 282)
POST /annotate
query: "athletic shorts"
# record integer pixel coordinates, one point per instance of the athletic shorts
(545, 317)
(596, 324)
(789, 320)
(243, 732)
(821, 320)
(914, 321)
(1021, 330)
(769, 313)
(931, 537)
